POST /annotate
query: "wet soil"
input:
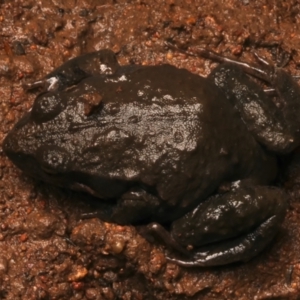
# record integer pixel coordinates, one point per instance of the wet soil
(46, 250)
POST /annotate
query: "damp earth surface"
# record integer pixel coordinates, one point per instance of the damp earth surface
(47, 252)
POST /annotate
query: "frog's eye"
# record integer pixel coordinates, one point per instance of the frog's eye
(53, 159)
(47, 106)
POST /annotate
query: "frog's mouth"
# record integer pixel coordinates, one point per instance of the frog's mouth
(53, 164)
(29, 165)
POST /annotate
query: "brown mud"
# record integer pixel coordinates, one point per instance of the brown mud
(46, 251)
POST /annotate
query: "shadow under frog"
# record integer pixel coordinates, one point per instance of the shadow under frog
(160, 144)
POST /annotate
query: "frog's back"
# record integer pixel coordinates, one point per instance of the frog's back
(169, 129)
(164, 129)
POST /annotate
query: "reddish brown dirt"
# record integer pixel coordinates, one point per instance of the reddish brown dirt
(46, 251)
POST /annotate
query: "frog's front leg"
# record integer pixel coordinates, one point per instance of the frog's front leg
(134, 206)
(101, 62)
(230, 227)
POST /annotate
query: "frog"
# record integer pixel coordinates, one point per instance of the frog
(193, 158)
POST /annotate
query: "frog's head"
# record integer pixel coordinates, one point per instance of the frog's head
(35, 143)
(53, 142)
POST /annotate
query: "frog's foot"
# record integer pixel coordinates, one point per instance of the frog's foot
(230, 227)
(154, 228)
(240, 249)
(102, 62)
(47, 84)
(277, 129)
(255, 71)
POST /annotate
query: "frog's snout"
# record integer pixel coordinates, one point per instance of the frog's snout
(16, 144)
(10, 145)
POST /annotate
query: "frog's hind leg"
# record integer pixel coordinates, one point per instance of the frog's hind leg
(230, 227)
(240, 249)
(276, 129)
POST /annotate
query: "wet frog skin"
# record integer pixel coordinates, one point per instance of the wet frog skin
(160, 144)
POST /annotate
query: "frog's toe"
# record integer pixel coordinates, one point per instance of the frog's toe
(242, 248)
(46, 84)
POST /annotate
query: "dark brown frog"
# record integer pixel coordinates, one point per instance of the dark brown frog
(159, 144)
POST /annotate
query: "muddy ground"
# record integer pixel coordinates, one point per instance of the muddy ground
(46, 250)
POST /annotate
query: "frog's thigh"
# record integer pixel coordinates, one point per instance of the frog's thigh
(261, 116)
(234, 226)
(135, 206)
